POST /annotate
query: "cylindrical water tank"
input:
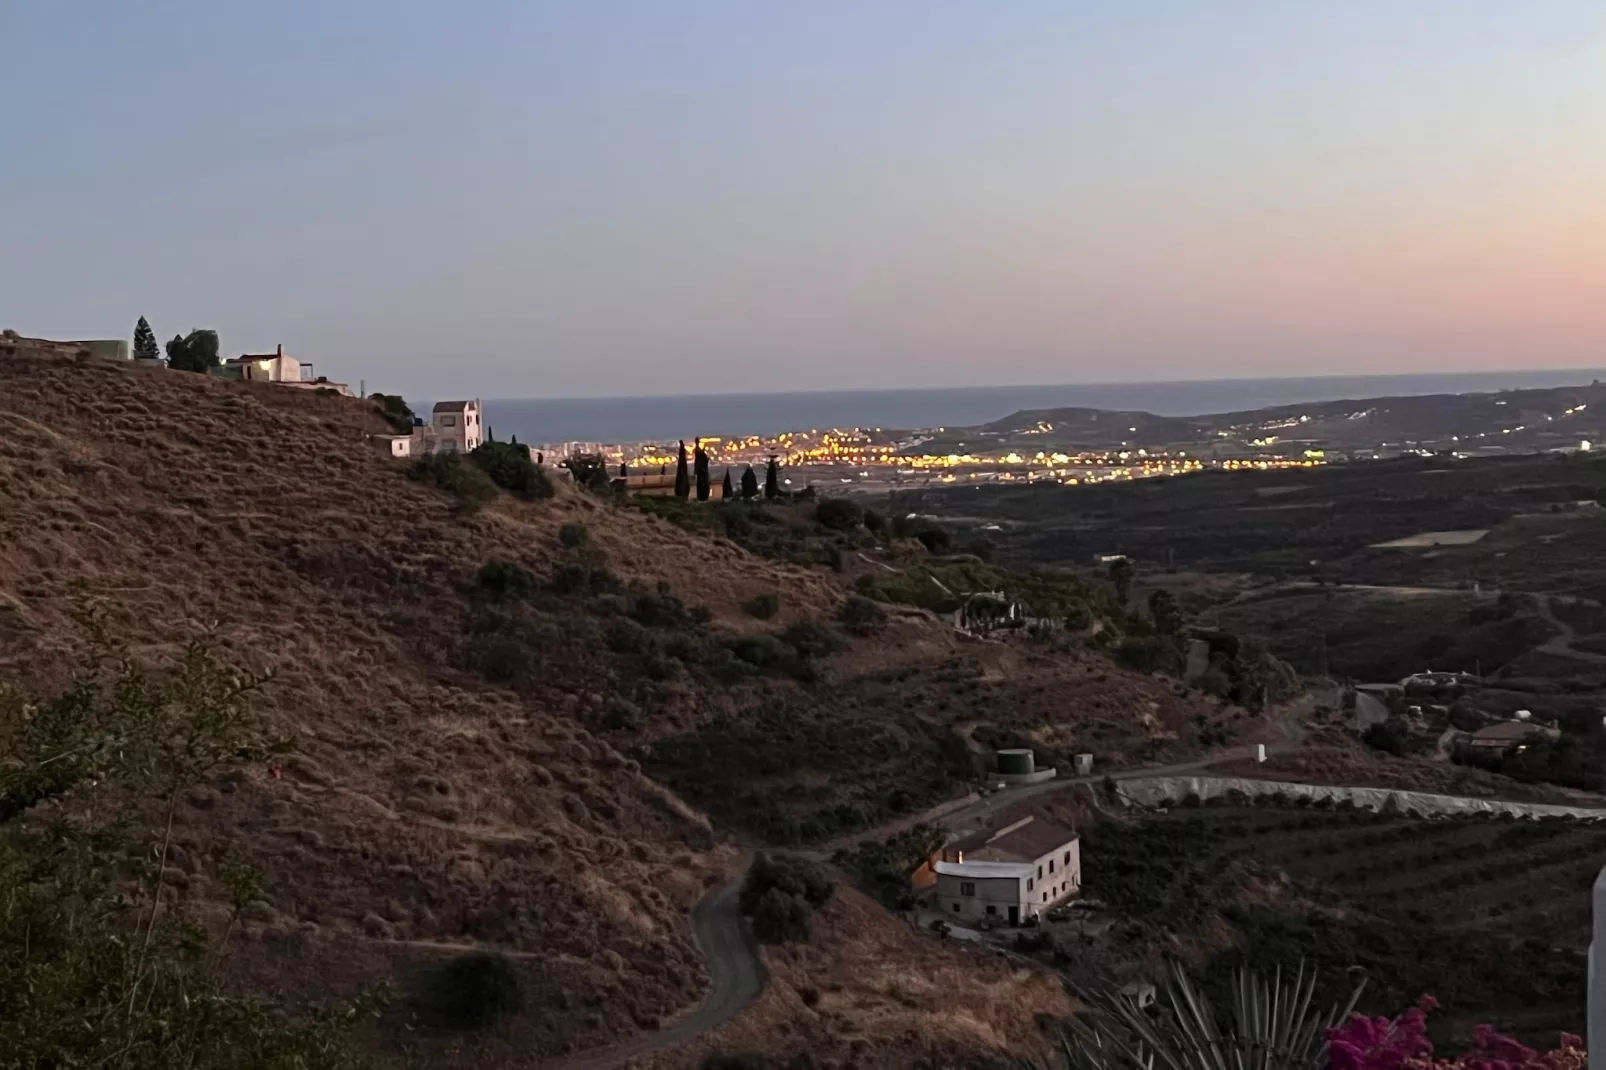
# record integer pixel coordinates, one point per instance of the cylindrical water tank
(1016, 762)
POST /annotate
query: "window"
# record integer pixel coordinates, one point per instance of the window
(967, 888)
(448, 421)
(1039, 872)
(1051, 865)
(1028, 884)
(1045, 897)
(992, 909)
(956, 908)
(1067, 858)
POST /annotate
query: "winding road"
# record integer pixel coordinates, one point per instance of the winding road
(736, 973)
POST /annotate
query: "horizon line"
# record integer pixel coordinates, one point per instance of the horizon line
(1596, 371)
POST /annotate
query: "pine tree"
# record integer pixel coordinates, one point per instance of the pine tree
(726, 491)
(749, 484)
(1121, 576)
(682, 478)
(145, 342)
(772, 479)
(700, 463)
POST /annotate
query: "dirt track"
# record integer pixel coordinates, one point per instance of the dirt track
(736, 972)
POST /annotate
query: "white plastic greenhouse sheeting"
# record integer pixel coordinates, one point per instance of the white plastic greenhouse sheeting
(1153, 791)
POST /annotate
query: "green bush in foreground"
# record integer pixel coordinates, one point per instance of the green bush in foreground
(89, 976)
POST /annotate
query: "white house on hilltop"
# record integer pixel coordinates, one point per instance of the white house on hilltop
(1010, 874)
(454, 427)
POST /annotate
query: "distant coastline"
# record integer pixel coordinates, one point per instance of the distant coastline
(642, 419)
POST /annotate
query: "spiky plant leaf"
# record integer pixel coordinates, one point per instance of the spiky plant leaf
(1274, 1025)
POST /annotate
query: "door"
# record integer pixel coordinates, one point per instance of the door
(1014, 915)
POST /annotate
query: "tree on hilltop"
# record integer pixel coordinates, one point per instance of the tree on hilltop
(145, 347)
(727, 492)
(397, 413)
(682, 478)
(193, 352)
(700, 463)
(749, 484)
(772, 479)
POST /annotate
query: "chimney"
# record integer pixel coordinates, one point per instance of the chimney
(279, 350)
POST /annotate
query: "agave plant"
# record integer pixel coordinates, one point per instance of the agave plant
(1275, 1025)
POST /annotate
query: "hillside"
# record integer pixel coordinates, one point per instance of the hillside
(470, 763)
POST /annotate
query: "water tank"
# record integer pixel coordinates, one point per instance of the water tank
(1016, 762)
(1523, 715)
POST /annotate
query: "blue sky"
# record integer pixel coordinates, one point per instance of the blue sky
(684, 196)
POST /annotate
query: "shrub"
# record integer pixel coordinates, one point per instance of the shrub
(763, 606)
(935, 540)
(790, 874)
(468, 484)
(395, 412)
(506, 579)
(811, 639)
(839, 514)
(764, 651)
(584, 579)
(874, 522)
(860, 616)
(509, 466)
(779, 918)
(574, 536)
(472, 990)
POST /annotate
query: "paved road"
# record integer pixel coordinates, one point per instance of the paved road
(977, 812)
(735, 970)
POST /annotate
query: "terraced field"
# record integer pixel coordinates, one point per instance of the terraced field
(1490, 915)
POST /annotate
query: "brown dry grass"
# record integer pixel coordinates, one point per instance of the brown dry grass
(870, 991)
(425, 809)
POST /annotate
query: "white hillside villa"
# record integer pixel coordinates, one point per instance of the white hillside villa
(1010, 874)
(454, 427)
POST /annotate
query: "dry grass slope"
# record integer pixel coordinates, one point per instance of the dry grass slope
(425, 810)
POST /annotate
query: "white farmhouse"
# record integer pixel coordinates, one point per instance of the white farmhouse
(454, 427)
(1010, 874)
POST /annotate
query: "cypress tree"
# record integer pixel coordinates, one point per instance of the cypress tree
(749, 484)
(700, 462)
(772, 479)
(145, 342)
(727, 492)
(682, 479)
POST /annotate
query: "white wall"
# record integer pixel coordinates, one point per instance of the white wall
(1061, 878)
(1000, 893)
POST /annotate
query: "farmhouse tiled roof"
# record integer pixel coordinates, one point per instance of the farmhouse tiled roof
(1024, 841)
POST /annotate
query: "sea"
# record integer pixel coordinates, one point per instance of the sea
(663, 419)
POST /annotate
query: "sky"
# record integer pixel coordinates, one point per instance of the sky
(522, 198)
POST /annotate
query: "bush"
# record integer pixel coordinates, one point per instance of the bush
(787, 873)
(584, 579)
(395, 412)
(764, 651)
(468, 484)
(509, 466)
(574, 536)
(839, 514)
(506, 579)
(780, 918)
(763, 606)
(874, 522)
(860, 616)
(473, 990)
(935, 540)
(811, 639)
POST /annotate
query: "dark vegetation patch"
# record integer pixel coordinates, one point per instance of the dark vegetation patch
(469, 992)
(1492, 916)
(781, 893)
